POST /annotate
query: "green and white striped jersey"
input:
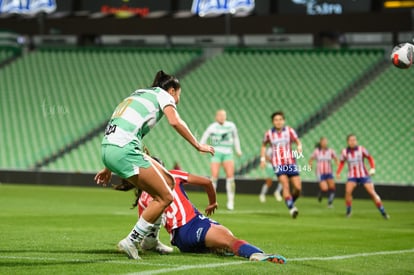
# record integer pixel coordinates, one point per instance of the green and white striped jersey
(136, 115)
(223, 137)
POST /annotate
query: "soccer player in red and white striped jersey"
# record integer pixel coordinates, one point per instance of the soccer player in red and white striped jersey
(280, 137)
(358, 174)
(193, 232)
(324, 157)
(181, 210)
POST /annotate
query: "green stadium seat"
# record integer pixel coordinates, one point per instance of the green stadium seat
(59, 95)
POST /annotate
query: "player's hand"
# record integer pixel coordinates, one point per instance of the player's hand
(338, 176)
(262, 163)
(211, 208)
(299, 148)
(103, 177)
(239, 154)
(204, 148)
(372, 171)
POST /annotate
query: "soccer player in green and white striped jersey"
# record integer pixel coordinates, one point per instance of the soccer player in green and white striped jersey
(122, 151)
(223, 136)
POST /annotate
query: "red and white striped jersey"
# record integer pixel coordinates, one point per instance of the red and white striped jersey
(281, 145)
(355, 159)
(323, 160)
(181, 210)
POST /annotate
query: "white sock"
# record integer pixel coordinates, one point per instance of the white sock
(264, 189)
(231, 189)
(279, 187)
(214, 181)
(140, 230)
(155, 231)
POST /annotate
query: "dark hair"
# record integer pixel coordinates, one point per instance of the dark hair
(318, 144)
(278, 113)
(157, 159)
(165, 81)
(350, 135)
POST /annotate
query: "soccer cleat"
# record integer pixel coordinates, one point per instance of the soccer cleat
(386, 216)
(278, 196)
(261, 257)
(320, 197)
(163, 249)
(262, 198)
(294, 212)
(127, 246)
(330, 206)
(348, 214)
(151, 242)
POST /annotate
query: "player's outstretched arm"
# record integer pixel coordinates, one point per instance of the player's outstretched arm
(208, 187)
(263, 156)
(339, 170)
(181, 127)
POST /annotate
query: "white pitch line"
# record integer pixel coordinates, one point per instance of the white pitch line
(342, 257)
(188, 267)
(331, 258)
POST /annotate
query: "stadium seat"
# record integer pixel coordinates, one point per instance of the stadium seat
(59, 95)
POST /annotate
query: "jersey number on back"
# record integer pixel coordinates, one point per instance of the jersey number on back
(120, 109)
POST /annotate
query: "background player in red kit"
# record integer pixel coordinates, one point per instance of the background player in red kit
(280, 137)
(193, 232)
(358, 174)
(324, 156)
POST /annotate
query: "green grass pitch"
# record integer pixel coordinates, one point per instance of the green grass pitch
(71, 230)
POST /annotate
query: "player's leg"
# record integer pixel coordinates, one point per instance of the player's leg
(323, 189)
(158, 183)
(369, 187)
(265, 187)
(152, 241)
(219, 237)
(278, 192)
(228, 166)
(215, 169)
(297, 187)
(269, 174)
(331, 191)
(290, 204)
(349, 188)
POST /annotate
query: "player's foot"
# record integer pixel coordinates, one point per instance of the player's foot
(127, 246)
(152, 243)
(230, 205)
(278, 196)
(261, 257)
(262, 198)
(163, 249)
(386, 216)
(320, 197)
(348, 215)
(330, 206)
(294, 212)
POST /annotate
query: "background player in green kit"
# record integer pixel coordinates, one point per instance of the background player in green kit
(223, 136)
(122, 151)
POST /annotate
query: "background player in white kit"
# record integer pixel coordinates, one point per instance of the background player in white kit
(223, 137)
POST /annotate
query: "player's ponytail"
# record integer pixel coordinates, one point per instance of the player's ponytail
(165, 81)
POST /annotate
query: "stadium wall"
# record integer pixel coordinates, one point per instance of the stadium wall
(244, 186)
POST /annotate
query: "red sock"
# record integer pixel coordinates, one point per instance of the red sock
(236, 246)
